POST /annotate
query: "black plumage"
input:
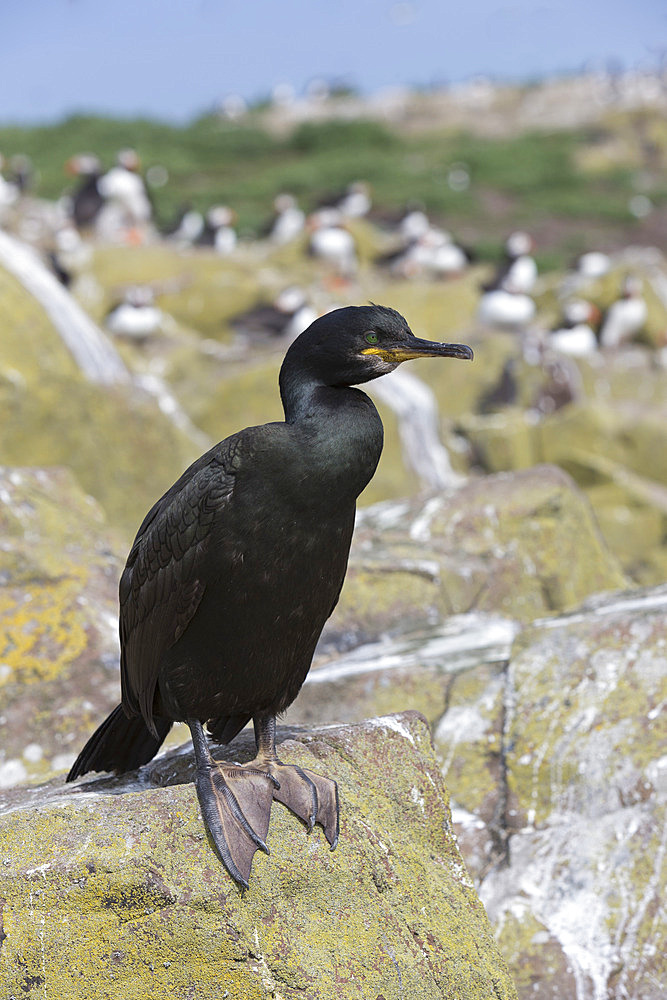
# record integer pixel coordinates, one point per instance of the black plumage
(87, 201)
(263, 319)
(234, 572)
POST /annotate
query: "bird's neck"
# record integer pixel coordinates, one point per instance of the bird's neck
(339, 427)
(306, 398)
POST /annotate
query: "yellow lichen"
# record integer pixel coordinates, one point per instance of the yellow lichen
(42, 630)
(120, 895)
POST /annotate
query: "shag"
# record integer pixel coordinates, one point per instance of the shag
(234, 572)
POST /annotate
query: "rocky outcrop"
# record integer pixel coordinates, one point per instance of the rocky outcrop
(122, 448)
(413, 565)
(551, 738)
(59, 569)
(472, 606)
(520, 545)
(580, 893)
(601, 419)
(111, 888)
(610, 438)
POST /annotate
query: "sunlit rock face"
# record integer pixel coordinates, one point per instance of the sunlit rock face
(551, 739)
(557, 770)
(522, 544)
(551, 734)
(112, 886)
(59, 569)
(56, 408)
(610, 437)
(586, 780)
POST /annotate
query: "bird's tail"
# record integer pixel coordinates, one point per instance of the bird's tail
(119, 744)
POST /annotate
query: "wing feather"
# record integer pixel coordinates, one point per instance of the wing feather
(162, 584)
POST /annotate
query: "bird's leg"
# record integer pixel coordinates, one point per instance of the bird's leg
(312, 797)
(236, 805)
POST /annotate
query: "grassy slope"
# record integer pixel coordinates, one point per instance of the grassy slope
(520, 180)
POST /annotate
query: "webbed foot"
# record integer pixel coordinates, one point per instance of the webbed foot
(311, 797)
(236, 806)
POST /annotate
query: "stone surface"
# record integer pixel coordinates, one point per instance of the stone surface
(415, 670)
(59, 570)
(412, 565)
(556, 775)
(51, 414)
(611, 438)
(557, 769)
(551, 735)
(520, 545)
(111, 889)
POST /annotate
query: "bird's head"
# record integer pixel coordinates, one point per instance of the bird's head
(359, 343)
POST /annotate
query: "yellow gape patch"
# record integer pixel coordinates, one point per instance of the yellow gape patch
(393, 356)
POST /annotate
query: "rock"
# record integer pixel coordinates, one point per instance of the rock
(417, 670)
(631, 511)
(615, 451)
(59, 571)
(51, 414)
(520, 545)
(616, 418)
(112, 888)
(412, 565)
(529, 749)
(617, 454)
(558, 775)
(500, 441)
(630, 434)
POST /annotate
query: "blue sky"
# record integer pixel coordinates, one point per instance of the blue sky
(177, 58)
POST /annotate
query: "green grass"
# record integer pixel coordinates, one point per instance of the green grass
(211, 161)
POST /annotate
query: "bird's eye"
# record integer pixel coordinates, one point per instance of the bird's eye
(371, 338)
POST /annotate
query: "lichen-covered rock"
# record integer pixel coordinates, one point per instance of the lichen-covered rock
(569, 847)
(631, 434)
(51, 414)
(415, 670)
(59, 570)
(521, 545)
(111, 889)
(501, 441)
(611, 433)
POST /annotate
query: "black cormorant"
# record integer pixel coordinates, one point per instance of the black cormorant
(234, 572)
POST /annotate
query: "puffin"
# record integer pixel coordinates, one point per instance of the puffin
(136, 317)
(576, 335)
(288, 222)
(85, 204)
(218, 231)
(332, 243)
(518, 270)
(625, 317)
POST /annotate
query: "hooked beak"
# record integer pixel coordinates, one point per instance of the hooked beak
(417, 348)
